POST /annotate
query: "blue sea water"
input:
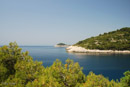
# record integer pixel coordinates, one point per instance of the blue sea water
(110, 65)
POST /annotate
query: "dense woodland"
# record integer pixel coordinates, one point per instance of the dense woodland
(115, 40)
(17, 69)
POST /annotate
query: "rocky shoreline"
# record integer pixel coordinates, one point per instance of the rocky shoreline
(77, 49)
(61, 46)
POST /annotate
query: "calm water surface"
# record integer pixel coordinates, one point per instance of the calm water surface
(109, 65)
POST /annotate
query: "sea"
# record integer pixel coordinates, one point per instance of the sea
(111, 66)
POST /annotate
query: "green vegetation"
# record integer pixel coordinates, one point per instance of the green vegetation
(17, 69)
(115, 40)
(61, 44)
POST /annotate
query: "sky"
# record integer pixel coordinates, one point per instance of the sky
(48, 22)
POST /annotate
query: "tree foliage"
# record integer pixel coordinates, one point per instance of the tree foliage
(93, 80)
(125, 81)
(17, 69)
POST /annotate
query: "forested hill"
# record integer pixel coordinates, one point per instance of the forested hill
(115, 40)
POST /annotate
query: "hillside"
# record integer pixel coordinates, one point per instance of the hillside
(115, 40)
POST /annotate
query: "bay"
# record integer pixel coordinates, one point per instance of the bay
(111, 66)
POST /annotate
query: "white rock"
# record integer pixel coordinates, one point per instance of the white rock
(83, 50)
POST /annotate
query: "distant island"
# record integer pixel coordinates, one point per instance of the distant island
(112, 42)
(61, 45)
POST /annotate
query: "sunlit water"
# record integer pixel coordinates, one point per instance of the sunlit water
(109, 65)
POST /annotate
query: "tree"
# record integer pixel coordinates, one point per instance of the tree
(93, 80)
(125, 81)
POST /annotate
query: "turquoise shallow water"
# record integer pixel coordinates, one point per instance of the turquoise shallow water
(109, 65)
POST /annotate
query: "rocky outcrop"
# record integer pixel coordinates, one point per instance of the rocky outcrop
(61, 45)
(78, 49)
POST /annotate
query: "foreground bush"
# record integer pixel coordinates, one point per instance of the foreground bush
(93, 80)
(17, 69)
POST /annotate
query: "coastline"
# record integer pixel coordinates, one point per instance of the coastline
(77, 49)
(61, 46)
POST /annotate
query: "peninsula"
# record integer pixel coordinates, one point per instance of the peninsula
(112, 42)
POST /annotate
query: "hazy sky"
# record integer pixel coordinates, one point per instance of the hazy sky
(48, 22)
